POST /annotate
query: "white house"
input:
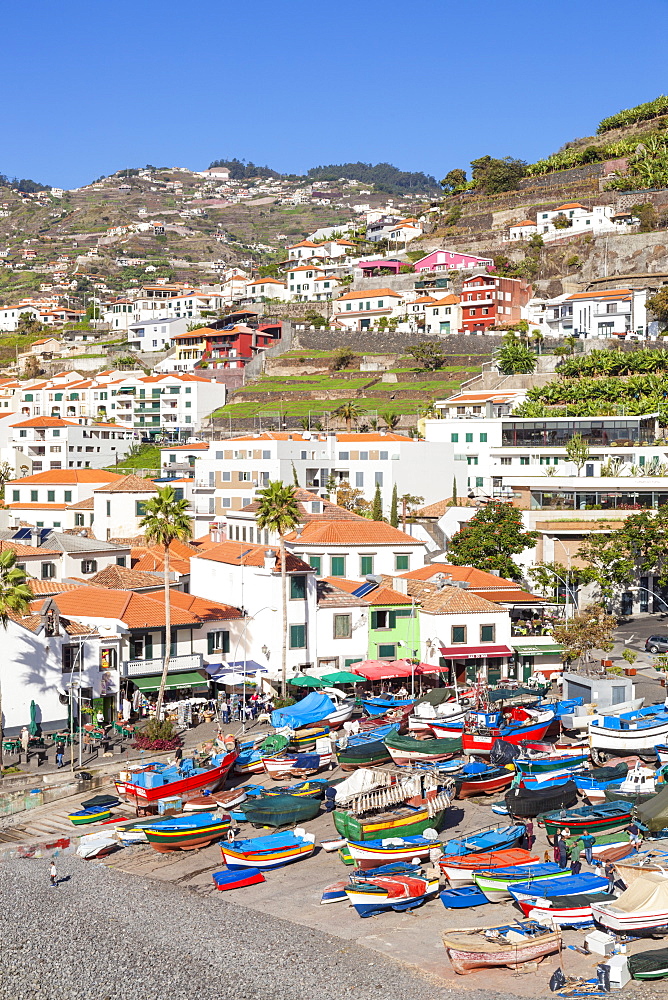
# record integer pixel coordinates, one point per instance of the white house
(615, 312)
(342, 623)
(267, 288)
(50, 499)
(41, 443)
(119, 507)
(362, 310)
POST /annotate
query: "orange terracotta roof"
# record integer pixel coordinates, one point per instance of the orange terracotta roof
(360, 532)
(134, 610)
(26, 550)
(46, 422)
(67, 476)
(449, 300)
(423, 298)
(129, 484)
(197, 446)
(613, 293)
(477, 578)
(232, 552)
(381, 595)
(44, 588)
(123, 578)
(326, 509)
(204, 609)
(37, 506)
(571, 204)
(450, 600)
(526, 222)
(87, 504)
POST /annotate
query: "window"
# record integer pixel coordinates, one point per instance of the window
(364, 456)
(16, 496)
(33, 496)
(70, 659)
(68, 496)
(89, 565)
(297, 588)
(454, 438)
(266, 454)
(469, 438)
(227, 477)
(387, 652)
(343, 627)
(316, 563)
(458, 635)
(141, 646)
(487, 633)
(78, 520)
(378, 476)
(483, 438)
(382, 619)
(298, 637)
(48, 570)
(479, 481)
(366, 565)
(401, 561)
(359, 479)
(244, 477)
(524, 460)
(344, 456)
(120, 560)
(218, 642)
(140, 508)
(506, 461)
(337, 566)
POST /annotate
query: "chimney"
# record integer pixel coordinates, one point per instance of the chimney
(270, 560)
(35, 537)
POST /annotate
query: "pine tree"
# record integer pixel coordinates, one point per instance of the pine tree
(377, 509)
(455, 500)
(394, 509)
(295, 477)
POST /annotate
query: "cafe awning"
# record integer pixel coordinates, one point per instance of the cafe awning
(473, 652)
(532, 650)
(187, 679)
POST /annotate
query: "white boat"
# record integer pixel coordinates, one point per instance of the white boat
(643, 906)
(631, 732)
(96, 845)
(344, 707)
(582, 716)
(424, 715)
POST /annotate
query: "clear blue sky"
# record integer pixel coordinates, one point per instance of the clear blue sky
(92, 87)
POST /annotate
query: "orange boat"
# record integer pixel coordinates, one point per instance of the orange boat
(460, 868)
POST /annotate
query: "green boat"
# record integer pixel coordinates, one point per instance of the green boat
(647, 965)
(280, 810)
(404, 821)
(405, 749)
(84, 816)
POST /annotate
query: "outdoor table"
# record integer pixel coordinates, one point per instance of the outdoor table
(12, 746)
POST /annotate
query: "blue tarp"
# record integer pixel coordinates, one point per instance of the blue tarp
(313, 708)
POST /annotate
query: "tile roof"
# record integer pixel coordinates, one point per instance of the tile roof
(439, 508)
(571, 204)
(197, 446)
(372, 436)
(67, 476)
(612, 293)
(450, 600)
(26, 550)
(525, 222)
(46, 588)
(381, 595)
(134, 610)
(332, 596)
(123, 578)
(46, 422)
(329, 510)
(371, 293)
(87, 504)
(204, 609)
(129, 484)
(231, 553)
(344, 532)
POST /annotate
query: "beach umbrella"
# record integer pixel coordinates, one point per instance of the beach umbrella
(306, 680)
(342, 677)
(33, 728)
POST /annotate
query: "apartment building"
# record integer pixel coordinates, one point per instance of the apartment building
(41, 443)
(229, 475)
(488, 300)
(50, 499)
(616, 312)
(362, 310)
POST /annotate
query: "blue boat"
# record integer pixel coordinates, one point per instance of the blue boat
(237, 879)
(462, 898)
(571, 885)
(265, 853)
(370, 735)
(537, 781)
(379, 706)
(560, 708)
(492, 838)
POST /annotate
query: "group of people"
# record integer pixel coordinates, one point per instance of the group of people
(568, 854)
(236, 708)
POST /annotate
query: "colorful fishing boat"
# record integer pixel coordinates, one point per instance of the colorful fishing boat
(299, 763)
(336, 891)
(84, 816)
(489, 838)
(371, 896)
(380, 706)
(529, 726)
(593, 783)
(496, 883)
(594, 819)
(648, 965)
(460, 869)
(211, 800)
(134, 832)
(642, 907)
(237, 879)
(371, 853)
(281, 810)
(402, 821)
(406, 749)
(313, 788)
(585, 884)
(630, 869)
(639, 785)
(548, 763)
(632, 732)
(463, 897)
(564, 911)
(373, 804)
(186, 833)
(531, 801)
(511, 945)
(365, 748)
(146, 785)
(477, 778)
(267, 853)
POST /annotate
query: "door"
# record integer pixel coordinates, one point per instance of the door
(445, 326)
(627, 604)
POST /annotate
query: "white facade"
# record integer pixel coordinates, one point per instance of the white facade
(41, 443)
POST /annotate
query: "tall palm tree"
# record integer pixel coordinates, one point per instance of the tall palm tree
(278, 512)
(391, 419)
(166, 520)
(15, 597)
(349, 411)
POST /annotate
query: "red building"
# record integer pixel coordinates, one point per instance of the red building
(231, 347)
(489, 300)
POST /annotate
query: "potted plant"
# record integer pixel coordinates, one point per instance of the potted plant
(630, 656)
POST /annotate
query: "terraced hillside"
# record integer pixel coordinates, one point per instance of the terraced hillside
(301, 387)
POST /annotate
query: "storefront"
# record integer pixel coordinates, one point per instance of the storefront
(537, 654)
(469, 664)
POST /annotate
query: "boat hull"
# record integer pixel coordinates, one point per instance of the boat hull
(84, 817)
(187, 839)
(617, 920)
(481, 743)
(481, 954)
(485, 786)
(369, 854)
(237, 860)
(237, 879)
(598, 821)
(185, 789)
(370, 899)
(401, 823)
(460, 871)
(627, 741)
(462, 898)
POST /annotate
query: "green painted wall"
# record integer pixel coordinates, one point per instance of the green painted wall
(402, 628)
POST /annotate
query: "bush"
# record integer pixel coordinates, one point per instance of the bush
(283, 702)
(157, 736)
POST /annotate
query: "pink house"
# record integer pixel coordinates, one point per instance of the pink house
(369, 268)
(447, 260)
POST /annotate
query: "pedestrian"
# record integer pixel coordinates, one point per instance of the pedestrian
(563, 853)
(598, 868)
(225, 711)
(53, 874)
(574, 855)
(25, 740)
(588, 842)
(330, 799)
(60, 761)
(610, 874)
(100, 719)
(528, 834)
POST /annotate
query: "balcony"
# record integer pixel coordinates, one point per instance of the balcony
(139, 668)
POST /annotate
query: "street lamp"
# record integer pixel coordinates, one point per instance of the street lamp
(568, 589)
(651, 592)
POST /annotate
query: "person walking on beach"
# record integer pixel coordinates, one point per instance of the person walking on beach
(588, 842)
(528, 834)
(53, 874)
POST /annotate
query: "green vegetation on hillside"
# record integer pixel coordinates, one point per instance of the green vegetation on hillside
(641, 113)
(383, 176)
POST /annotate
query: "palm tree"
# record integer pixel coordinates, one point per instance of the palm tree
(391, 419)
(166, 520)
(349, 411)
(429, 411)
(278, 512)
(15, 597)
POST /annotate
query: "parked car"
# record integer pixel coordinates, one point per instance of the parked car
(656, 644)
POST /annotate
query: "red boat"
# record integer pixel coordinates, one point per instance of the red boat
(237, 880)
(494, 779)
(521, 731)
(145, 786)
